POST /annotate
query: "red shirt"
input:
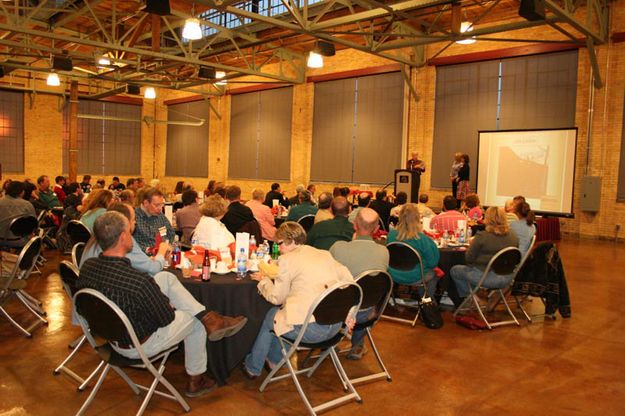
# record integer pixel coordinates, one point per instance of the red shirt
(446, 221)
(58, 190)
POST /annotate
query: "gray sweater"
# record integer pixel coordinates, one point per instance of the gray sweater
(485, 245)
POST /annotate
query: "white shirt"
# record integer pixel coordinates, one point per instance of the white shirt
(212, 232)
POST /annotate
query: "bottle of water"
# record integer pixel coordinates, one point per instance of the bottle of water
(241, 264)
(461, 236)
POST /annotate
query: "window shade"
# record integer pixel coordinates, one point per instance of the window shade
(12, 131)
(187, 146)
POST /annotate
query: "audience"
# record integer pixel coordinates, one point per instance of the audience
(45, 195)
(472, 207)
(364, 198)
(263, 214)
(381, 206)
(303, 207)
(523, 227)
(276, 193)
(210, 188)
(238, 215)
(96, 205)
(510, 211)
(424, 210)
(297, 285)
(325, 233)
(127, 196)
(72, 207)
(131, 184)
(294, 200)
(189, 215)
(400, 200)
(151, 221)
(85, 185)
(12, 206)
(448, 219)
(325, 211)
(59, 188)
(313, 190)
(360, 255)
(160, 309)
(116, 185)
(210, 231)
(483, 247)
(410, 231)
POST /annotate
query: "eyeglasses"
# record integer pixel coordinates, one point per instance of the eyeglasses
(279, 243)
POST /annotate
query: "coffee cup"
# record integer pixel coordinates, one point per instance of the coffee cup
(221, 267)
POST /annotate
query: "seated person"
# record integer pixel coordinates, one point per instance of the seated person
(46, 196)
(95, 205)
(381, 206)
(189, 215)
(160, 309)
(325, 207)
(127, 196)
(237, 214)
(400, 200)
(364, 199)
(510, 211)
(150, 219)
(483, 247)
(14, 206)
(360, 255)
(73, 202)
(138, 259)
(294, 200)
(424, 210)
(210, 231)
(410, 231)
(448, 219)
(116, 185)
(325, 233)
(276, 193)
(263, 214)
(472, 207)
(303, 207)
(59, 188)
(524, 227)
(294, 290)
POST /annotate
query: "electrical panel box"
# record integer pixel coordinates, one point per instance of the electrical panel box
(590, 199)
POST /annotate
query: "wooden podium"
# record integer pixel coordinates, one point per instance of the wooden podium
(408, 181)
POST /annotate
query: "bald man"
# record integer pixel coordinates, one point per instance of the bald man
(325, 233)
(359, 255)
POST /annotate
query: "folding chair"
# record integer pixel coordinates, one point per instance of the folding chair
(78, 232)
(100, 317)
(376, 286)
(20, 227)
(14, 284)
(405, 258)
(381, 223)
(504, 262)
(69, 275)
(77, 251)
(307, 221)
(332, 306)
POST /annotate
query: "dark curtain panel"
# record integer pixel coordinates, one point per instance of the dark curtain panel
(187, 146)
(12, 131)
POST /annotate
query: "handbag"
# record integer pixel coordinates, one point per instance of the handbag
(430, 315)
(471, 322)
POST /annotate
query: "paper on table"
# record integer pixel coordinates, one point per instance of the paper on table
(169, 213)
(426, 223)
(275, 202)
(242, 242)
(462, 224)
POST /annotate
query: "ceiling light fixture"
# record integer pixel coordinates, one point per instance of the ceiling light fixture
(220, 75)
(104, 61)
(149, 93)
(53, 80)
(314, 60)
(192, 29)
(464, 28)
(321, 49)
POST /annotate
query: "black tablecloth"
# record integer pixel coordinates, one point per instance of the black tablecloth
(449, 258)
(232, 297)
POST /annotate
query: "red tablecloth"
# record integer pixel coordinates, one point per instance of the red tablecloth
(547, 229)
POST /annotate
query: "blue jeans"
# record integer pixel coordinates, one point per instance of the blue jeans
(466, 276)
(358, 335)
(267, 347)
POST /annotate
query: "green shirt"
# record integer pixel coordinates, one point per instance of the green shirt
(298, 211)
(429, 256)
(360, 255)
(325, 233)
(49, 199)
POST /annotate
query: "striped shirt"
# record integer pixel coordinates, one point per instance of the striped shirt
(446, 221)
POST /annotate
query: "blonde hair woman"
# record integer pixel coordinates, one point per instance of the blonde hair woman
(483, 247)
(96, 204)
(410, 231)
(210, 230)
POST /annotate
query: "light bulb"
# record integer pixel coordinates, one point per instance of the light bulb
(314, 60)
(53, 80)
(466, 27)
(192, 29)
(104, 61)
(149, 93)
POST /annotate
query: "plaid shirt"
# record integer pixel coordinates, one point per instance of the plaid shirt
(135, 292)
(446, 221)
(147, 227)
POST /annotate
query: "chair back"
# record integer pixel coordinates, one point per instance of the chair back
(253, 228)
(402, 256)
(307, 221)
(78, 232)
(69, 274)
(376, 286)
(23, 226)
(102, 317)
(77, 251)
(333, 305)
(176, 206)
(505, 261)
(381, 223)
(29, 254)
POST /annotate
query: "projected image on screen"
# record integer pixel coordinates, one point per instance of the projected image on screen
(538, 164)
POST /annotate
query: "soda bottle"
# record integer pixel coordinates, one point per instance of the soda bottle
(206, 268)
(275, 251)
(175, 253)
(252, 244)
(241, 264)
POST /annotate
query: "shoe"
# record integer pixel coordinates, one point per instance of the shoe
(199, 385)
(356, 352)
(247, 373)
(218, 326)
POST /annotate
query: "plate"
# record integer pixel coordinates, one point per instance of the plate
(224, 272)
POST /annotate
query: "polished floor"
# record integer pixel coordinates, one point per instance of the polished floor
(561, 367)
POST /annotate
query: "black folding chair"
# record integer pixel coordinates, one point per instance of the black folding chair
(307, 221)
(332, 306)
(403, 257)
(100, 317)
(78, 232)
(23, 226)
(14, 285)
(505, 262)
(77, 251)
(69, 274)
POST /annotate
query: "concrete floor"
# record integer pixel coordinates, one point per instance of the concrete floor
(562, 367)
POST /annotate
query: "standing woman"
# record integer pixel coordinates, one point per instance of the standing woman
(463, 180)
(453, 174)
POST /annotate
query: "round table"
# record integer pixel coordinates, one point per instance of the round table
(449, 258)
(228, 296)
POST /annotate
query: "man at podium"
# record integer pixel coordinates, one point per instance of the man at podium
(415, 164)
